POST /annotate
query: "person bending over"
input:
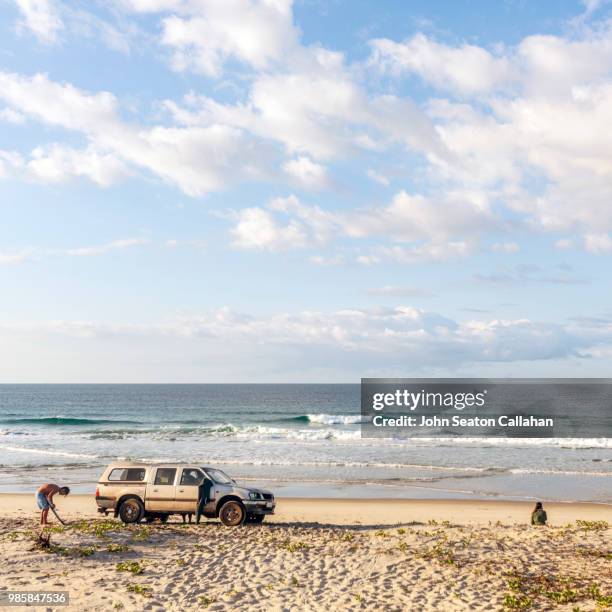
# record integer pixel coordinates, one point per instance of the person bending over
(538, 516)
(44, 499)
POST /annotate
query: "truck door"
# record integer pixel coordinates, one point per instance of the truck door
(187, 490)
(161, 493)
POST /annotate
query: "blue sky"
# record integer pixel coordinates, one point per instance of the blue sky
(267, 190)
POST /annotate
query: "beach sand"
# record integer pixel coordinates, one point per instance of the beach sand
(318, 554)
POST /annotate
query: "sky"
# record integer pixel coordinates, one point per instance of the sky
(304, 191)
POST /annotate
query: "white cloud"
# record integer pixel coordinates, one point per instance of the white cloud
(321, 112)
(564, 244)
(11, 116)
(321, 260)
(539, 64)
(41, 18)
(598, 243)
(395, 291)
(114, 31)
(567, 144)
(544, 115)
(197, 159)
(467, 69)
(204, 35)
(591, 6)
(356, 341)
(258, 229)
(60, 104)
(561, 274)
(153, 6)
(307, 173)
(554, 65)
(10, 163)
(505, 247)
(174, 243)
(430, 251)
(15, 258)
(530, 133)
(56, 164)
(431, 227)
(412, 217)
(377, 177)
(32, 253)
(367, 260)
(115, 245)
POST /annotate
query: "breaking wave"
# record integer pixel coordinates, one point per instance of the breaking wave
(329, 419)
(61, 420)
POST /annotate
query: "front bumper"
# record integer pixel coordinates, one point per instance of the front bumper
(258, 506)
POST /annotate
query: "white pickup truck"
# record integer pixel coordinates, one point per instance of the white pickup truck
(137, 491)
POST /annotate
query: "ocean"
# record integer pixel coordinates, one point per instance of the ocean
(297, 440)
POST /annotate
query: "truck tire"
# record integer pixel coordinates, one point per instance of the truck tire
(131, 510)
(255, 518)
(232, 513)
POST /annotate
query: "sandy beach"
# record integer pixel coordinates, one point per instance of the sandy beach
(317, 555)
(358, 511)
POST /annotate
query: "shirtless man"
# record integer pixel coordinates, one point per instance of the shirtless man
(44, 499)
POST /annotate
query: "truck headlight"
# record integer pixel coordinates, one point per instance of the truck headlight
(254, 495)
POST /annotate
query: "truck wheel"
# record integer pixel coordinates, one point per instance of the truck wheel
(232, 513)
(131, 510)
(255, 518)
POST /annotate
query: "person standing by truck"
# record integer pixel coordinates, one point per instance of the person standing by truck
(44, 499)
(203, 495)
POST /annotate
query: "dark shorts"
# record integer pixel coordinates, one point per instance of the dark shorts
(42, 501)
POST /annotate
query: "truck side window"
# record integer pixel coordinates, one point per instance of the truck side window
(125, 474)
(191, 477)
(165, 476)
(135, 474)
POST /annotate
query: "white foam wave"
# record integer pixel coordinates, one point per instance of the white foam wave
(558, 472)
(335, 419)
(351, 464)
(569, 443)
(228, 430)
(39, 451)
(279, 433)
(341, 435)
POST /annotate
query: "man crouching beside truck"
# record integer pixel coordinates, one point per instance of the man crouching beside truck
(44, 499)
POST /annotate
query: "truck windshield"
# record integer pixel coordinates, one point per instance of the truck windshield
(219, 476)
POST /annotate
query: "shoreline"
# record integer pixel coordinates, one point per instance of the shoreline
(346, 511)
(493, 485)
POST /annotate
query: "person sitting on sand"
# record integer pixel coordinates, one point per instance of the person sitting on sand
(538, 516)
(44, 499)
